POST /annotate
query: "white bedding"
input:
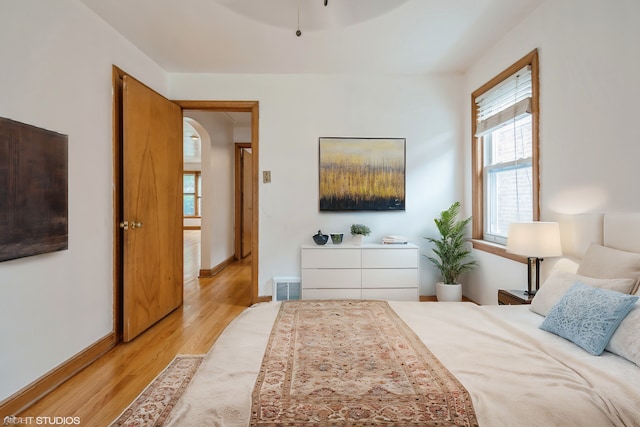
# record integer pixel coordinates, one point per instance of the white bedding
(516, 374)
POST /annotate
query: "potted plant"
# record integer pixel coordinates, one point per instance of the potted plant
(451, 253)
(358, 231)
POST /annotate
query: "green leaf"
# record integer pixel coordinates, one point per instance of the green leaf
(451, 251)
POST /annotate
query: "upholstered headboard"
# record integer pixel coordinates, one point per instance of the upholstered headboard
(622, 231)
(616, 230)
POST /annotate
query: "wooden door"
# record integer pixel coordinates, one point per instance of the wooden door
(152, 207)
(247, 201)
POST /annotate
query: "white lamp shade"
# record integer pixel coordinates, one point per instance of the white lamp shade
(534, 239)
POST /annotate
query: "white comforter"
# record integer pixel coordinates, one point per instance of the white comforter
(516, 374)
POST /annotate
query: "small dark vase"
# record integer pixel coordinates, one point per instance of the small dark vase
(321, 239)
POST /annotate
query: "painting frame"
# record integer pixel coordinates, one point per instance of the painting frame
(361, 174)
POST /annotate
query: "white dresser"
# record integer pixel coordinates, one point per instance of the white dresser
(368, 271)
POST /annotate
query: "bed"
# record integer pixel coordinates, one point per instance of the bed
(496, 365)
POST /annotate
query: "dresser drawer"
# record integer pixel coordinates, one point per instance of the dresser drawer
(390, 258)
(331, 278)
(391, 294)
(331, 258)
(390, 278)
(331, 294)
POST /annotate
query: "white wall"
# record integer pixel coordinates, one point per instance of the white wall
(589, 93)
(56, 74)
(242, 133)
(217, 225)
(295, 110)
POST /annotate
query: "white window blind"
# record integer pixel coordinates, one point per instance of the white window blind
(509, 100)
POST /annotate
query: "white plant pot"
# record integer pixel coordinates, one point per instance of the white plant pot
(357, 239)
(449, 293)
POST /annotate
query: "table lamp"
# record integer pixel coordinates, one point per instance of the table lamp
(535, 240)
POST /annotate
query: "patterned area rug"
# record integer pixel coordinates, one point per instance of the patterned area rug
(153, 405)
(353, 363)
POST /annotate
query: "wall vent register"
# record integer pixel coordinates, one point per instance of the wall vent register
(286, 288)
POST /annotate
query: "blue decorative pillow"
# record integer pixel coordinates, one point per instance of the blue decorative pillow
(588, 316)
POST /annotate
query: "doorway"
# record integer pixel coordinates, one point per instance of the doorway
(243, 199)
(120, 263)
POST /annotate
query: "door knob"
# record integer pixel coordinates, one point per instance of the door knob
(125, 225)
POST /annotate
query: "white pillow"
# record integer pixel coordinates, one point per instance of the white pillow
(559, 282)
(625, 341)
(602, 262)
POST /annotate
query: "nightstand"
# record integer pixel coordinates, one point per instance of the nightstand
(513, 297)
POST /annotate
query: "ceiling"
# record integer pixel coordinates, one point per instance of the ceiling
(346, 36)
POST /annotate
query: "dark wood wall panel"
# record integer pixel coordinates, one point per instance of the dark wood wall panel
(33, 190)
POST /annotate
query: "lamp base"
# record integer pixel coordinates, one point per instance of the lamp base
(533, 275)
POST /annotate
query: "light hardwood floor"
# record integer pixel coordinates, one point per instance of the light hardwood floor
(100, 392)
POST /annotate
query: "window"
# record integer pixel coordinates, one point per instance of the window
(192, 196)
(505, 153)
